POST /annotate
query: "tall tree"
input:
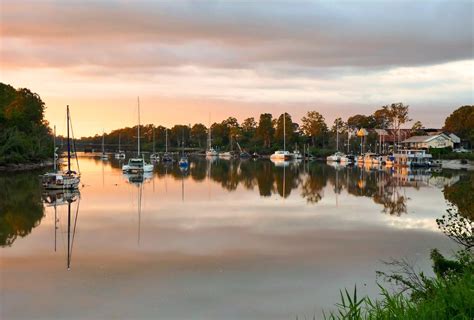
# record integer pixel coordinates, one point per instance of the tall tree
(264, 132)
(281, 127)
(397, 116)
(198, 135)
(314, 126)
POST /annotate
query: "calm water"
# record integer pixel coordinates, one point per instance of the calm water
(227, 240)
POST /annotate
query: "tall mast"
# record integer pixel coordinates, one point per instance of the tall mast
(119, 141)
(284, 131)
(209, 134)
(138, 100)
(68, 144)
(54, 152)
(153, 140)
(68, 235)
(337, 136)
(166, 140)
(103, 141)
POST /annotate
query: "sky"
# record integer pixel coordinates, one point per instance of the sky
(189, 61)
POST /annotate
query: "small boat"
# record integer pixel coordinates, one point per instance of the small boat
(226, 155)
(138, 164)
(167, 156)
(154, 157)
(120, 154)
(347, 159)
(297, 155)
(255, 155)
(56, 180)
(103, 155)
(281, 155)
(210, 152)
(183, 162)
(244, 155)
(336, 157)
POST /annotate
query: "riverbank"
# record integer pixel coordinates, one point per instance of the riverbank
(25, 166)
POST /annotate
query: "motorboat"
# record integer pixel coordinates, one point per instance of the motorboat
(226, 155)
(336, 157)
(347, 159)
(281, 155)
(183, 162)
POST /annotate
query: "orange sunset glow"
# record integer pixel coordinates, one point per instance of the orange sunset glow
(189, 59)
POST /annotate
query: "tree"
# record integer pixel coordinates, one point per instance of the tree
(461, 123)
(265, 130)
(198, 134)
(418, 128)
(314, 126)
(24, 133)
(281, 127)
(381, 118)
(397, 116)
(361, 121)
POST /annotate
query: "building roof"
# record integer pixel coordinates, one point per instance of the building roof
(418, 139)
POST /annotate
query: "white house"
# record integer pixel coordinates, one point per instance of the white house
(436, 141)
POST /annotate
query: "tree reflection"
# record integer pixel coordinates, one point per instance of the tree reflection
(461, 194)
(21, 208)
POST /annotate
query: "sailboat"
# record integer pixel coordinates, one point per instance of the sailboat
(183, 161)
(336, 157)
(120, 154)
(103, 156)
(137, 164)
(63, 180)
(154, 157)
(282, 155)
(167, 157)
(210, 152)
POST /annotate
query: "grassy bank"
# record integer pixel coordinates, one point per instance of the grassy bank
(448, 295)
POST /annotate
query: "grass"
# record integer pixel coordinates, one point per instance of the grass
(448, 295)
(447, 299)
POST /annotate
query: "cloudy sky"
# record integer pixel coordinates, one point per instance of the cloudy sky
(189, 59)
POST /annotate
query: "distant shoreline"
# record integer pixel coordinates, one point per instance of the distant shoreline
(25, 166)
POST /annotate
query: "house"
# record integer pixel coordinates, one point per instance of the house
(436, 141)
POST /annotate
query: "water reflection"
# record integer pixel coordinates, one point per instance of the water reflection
(219, 232)
(21, 209)
(58, 198)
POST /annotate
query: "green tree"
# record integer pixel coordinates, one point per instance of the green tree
(418, 128)
(281, 127)
(461, 123)
(314, 126)
(199, 135)
(265, 130)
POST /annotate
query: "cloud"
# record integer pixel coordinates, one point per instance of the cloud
(235, 34)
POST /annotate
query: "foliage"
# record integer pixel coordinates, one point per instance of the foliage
(21, 208)
(449, 295)
(314, 126)
(461, 122)
(457, 227)
(24, 134)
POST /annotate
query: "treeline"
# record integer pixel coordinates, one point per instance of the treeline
(24, 133)
(264, 134)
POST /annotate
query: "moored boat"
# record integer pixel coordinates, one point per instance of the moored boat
(68, 180)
